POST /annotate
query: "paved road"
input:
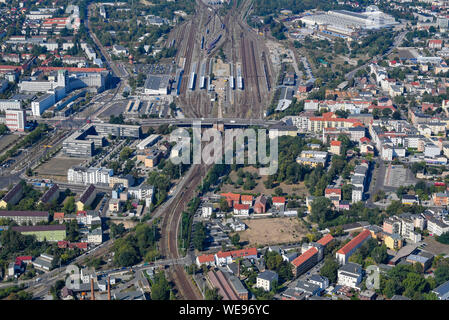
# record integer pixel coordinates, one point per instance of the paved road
(379, 174)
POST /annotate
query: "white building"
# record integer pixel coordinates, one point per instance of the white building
(206, 210)
(350, 275)
(437, 227)
(15, 120)
(81, 175)
(148, 142)
(10, 105)
(357, 194)
(265, 280)
(431, 150)
(95, 236)
(86, 274)
(142, 192)
(42, 103)
(44, 86)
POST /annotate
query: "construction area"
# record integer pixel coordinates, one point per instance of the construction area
(271, 231)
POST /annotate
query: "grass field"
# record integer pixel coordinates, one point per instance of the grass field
(290, 189)
(272, 231)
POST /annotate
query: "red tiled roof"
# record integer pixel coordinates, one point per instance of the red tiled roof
(24, 258)
(365, 139)
(246, 197)
(231, 196)
(336, 143)
(326, 239)
(332, 190)
(221, 254)
(330, 116)
(355, 242)
(278, 199)
(244, 252)
(79, 245)
(305, 257)
(58, 215)
(206, 258)
(63, 244)
(72, 69)
(239, 206)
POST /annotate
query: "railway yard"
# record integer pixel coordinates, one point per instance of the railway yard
(225, 67)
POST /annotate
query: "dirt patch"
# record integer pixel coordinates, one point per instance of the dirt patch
(58, 166)
(289, 189)
(435, 247)
(272, 231)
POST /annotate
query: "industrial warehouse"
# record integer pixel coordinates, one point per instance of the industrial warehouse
(346, 23)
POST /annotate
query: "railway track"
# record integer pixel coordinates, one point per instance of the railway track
(169, 239)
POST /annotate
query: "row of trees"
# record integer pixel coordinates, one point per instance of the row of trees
(186, 223)
(138, 246)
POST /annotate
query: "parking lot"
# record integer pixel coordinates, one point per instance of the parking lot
(397, 175)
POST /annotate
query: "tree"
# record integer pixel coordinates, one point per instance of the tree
(125, 153)
(212, 294)
(224, 205)
(441, 274)
(330, 269)
(386, 112)
(414, 285)
(396, 115)
(379, 254)
(278, 191)
(235, 240)
(69, 205)
(391, 288)
(160, 289)
(321, 210)
(117, 229)
(444, 238)
(199, 236)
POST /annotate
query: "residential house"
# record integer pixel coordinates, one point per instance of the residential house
(260, 206)
(241, 209)
(278, 202)
(50, 195)
(13, 196)
(86, 198)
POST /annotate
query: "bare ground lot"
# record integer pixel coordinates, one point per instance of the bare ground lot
(116, 109)
(435, 247)
(7, 140)
(58, 166)
(290, 189)
(272, 231)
